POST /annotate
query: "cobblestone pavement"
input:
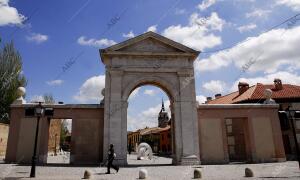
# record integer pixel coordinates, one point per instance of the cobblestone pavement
(285, 170)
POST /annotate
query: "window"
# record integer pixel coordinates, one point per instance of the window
(230, 140)
(231, 150)
(229, 129)
(228, 121)
(298, 137)
(297, 123)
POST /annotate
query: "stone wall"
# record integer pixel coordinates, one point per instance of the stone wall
(262, 128)
(86, 140)
(262, 132)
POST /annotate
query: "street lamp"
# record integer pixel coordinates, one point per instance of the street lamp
(39, 111)
(55, 145)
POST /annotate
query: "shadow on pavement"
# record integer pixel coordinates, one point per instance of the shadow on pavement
(14, 178)
(146, 165)
(282, 177)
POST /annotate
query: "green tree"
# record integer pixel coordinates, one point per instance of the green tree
(49, 99)
(11, 78)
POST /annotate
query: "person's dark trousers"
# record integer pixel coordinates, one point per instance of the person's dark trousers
(110, 164)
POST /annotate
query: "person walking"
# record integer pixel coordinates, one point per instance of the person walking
(129, 147)
(111, 157)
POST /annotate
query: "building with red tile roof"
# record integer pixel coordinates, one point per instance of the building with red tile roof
(255, 94)
(286, 95)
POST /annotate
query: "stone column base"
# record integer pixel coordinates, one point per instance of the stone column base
(189, 160)
(279, 159)
(19, 101)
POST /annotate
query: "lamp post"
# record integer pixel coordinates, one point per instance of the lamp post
(39, 111)
(55, 145)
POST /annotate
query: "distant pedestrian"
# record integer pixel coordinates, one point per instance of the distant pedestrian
(129, 148)
(111, 157)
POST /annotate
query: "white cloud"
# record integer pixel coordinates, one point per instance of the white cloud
(206, 4)
(37, 38)
(268, 52)
(214, 86)
(129, 35)
(286, 78)
(55, 82)
(9, 15)
(246, 27)
(150, 92)
(147, 117)
(293, 4)
(201, 99)
(198, 34)
(258, 13)
(152, 28)
(90, 90)
(94, 42)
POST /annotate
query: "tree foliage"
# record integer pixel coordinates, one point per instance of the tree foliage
(11, 78)
(49, 99)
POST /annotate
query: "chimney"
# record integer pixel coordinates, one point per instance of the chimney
(278, 84)
(217, 96)
(243, 87)
(208, 99)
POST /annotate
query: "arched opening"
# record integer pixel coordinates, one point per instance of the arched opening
(149, 120)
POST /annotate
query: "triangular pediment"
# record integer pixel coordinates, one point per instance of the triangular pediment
(150, 42)
(149, 45)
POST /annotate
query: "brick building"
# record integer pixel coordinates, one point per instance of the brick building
(133, 139)
(165, 142)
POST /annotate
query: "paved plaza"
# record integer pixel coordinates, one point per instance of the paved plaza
(158, 168)
(61, 158)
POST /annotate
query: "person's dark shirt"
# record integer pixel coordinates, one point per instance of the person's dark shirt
(111, 152)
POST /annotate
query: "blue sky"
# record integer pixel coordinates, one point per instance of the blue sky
(59, 43)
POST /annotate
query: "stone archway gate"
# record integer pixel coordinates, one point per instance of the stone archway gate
(155, 60)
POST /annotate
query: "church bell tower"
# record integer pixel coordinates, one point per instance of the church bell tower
(163, 117)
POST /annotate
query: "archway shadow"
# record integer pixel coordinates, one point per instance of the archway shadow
(147, 165)
(279, 177)
(61, 165)
(70, 165)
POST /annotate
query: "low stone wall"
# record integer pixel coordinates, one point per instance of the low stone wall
(86, 136)
(263, 138)
(3, 138)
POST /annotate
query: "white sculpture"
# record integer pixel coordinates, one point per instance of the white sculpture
(268, 95)
(21, 92)
(144, 151)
